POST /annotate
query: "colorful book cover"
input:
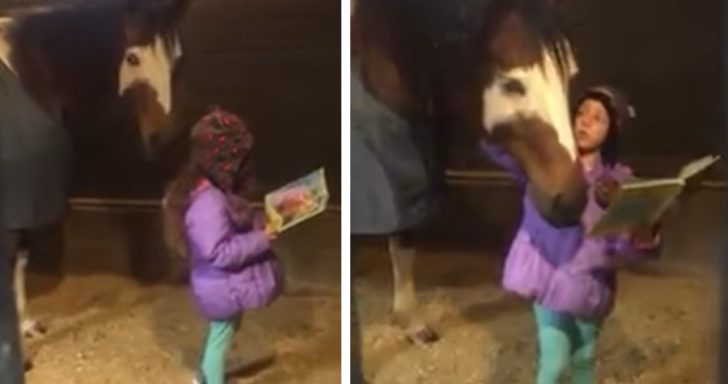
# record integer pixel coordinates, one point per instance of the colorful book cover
(297, 201)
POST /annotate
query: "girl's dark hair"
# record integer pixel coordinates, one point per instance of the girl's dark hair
(175, 204)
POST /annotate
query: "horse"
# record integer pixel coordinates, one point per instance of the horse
(499, 69)
(60, 61)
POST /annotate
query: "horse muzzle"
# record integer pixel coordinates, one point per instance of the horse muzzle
(556, 183)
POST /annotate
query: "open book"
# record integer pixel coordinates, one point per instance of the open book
(297, 201)
(643, 202)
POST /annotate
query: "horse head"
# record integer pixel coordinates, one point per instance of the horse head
(524, 104)
(152, 51)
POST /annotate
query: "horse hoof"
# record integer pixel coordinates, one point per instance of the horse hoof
(422, 335)
(33, 329)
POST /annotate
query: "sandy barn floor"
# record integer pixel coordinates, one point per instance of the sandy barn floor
(108, 325)
(664, 329)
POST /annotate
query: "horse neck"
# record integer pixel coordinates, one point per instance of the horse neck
(421, 47)
(388, 70)
(68, 58)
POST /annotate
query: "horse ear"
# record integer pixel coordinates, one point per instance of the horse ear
(146, 18)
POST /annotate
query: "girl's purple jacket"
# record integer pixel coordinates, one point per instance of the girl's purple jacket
(232, 270)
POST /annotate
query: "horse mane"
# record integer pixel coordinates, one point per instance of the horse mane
(67, 54)
(429, 39)
(544, 23)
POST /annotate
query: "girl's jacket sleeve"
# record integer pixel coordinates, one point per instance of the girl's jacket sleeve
(499, 156)
(211, 235)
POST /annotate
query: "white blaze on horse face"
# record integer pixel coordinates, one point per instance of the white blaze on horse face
(152, 65)
(541, 92)
(5, 23)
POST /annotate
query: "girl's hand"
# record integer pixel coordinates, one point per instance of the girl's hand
(605, 189)
(645, 237)
(271, 231)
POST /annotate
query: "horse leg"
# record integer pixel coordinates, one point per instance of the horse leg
(405, 306)
(29, 327)
(13, 246)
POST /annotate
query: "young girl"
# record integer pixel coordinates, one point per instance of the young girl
(571, 277)
(208, 218)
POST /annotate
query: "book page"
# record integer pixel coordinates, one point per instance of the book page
(652, 183)
(637, 205)
(697, 166)
(297, 201)
(643, 202)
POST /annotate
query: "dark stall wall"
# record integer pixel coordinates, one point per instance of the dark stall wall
(275, 62)
(278, 63)
(665, 55)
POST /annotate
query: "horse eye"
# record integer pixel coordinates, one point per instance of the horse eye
(514, 87)
(132, 59)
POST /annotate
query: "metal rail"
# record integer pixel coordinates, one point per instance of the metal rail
(454, 177)
(111, 204)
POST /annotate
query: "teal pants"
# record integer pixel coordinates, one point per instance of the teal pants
(565, 343)
(219, 337)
